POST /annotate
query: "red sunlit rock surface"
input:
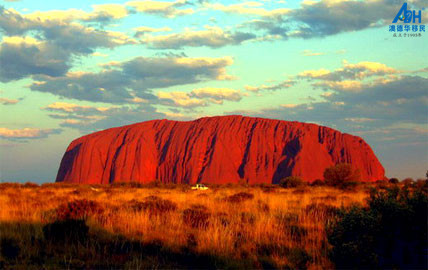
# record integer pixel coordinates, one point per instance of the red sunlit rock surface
(221, 149)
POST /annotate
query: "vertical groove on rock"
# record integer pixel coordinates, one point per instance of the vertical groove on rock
(241, 170)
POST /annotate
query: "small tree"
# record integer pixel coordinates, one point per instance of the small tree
(291, 182)
(341, 175)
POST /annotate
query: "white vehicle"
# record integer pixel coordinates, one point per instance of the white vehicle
(200, 187)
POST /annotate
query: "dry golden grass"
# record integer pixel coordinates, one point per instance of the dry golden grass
(266, 226)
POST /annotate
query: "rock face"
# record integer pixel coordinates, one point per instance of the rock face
(224, 149)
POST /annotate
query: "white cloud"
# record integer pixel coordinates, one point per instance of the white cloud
(26, 133)
(199, 97)
(166, 9)
(281, 85)
(219, 94)
(211, 36)
(133, 80)
(181, 99)
(71, 107)
(248, 8)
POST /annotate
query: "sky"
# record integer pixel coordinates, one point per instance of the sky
(69, 68)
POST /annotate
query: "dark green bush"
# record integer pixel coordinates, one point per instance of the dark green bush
(291, 182)
(70, 231)
(342, 175)
(390, 233)
(9, 248)
(393, 181)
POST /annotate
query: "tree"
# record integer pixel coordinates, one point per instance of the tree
(341, 175)
(390, 233)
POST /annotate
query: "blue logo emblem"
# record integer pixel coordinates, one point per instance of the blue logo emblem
(406, 15)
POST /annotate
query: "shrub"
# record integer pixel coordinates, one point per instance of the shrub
(58, 185)
(267, 188)
(341, 175)
(422, 184)
(289, 222)
(9, 185)
(30, 185)
(240, 197)
(408, 181)
(191, 241)
(154, 184)
(285, 219)
(318, 182)
(78, 209)
(127, 185)
(393, 181)
(330, 198)
(297, 232)
(197, 216)
(262, 206)
(9, 248)
(154, 205)
(291, 182)
(267, 263)
(69, 230)
(318, 210)
(381, 184)
(298, 258)
(389, 233)
(269, 248)
(243, 182)
(300, 190)
(223, 219)
(247, 217)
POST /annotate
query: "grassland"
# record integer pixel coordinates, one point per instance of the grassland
(168, 226)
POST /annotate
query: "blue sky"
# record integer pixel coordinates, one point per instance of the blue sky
(71, 68)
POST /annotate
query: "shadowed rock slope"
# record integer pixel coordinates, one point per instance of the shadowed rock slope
(223, 149)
